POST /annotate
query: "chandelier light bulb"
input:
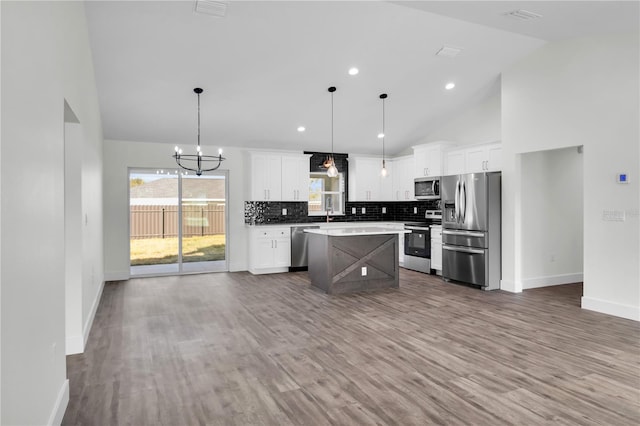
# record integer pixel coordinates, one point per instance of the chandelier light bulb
(380, 135)
(384, 172)
(220, 151)
(176, 148)
(332, 171)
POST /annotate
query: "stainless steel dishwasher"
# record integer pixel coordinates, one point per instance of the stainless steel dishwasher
(299, 257)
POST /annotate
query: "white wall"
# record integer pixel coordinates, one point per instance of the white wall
(46, 59)
(480, 123)
(552, 206)
(580, 92)
(119, 156)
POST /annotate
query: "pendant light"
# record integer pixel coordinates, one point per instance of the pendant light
(384, 165)
(198, 162)
(332, 170)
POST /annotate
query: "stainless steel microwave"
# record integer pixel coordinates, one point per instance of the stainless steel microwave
(427, 188)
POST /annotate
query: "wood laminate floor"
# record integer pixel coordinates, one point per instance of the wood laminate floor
(238, 349)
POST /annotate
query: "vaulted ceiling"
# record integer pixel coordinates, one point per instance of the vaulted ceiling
(266, 66)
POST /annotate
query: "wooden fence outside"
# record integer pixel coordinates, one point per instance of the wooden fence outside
(162, 221)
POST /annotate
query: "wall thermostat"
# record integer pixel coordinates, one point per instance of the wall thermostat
(622, 178)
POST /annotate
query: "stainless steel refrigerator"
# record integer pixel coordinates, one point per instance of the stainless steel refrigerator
(471, 222)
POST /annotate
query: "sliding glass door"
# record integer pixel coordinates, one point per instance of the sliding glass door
(177, 222)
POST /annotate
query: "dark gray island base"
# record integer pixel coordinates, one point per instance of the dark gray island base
(349, 261)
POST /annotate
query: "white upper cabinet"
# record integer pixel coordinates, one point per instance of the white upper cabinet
(454, 163)
(295, 178)
(366, 182)
(402, 170)
(278, 177)
(266, 176)
(429, 159)
(474, 159)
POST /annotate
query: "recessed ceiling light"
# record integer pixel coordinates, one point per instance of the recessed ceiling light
(450, 86)
(380, 135)
(353, 71)
(301, 129)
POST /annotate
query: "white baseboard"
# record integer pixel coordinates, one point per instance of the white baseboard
(552, 280)
(74, 345)
(92, 314)
(510, 286)
(611, 308)
(237, 266)
(55, 419)
(117, 275)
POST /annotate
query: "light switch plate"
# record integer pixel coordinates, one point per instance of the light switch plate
(353, 210)
(415, 210)
(284, 212)
(364, 211)
(384, 210)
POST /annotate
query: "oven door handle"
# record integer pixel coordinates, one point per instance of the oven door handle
(464, 233)
(417, 228)
(463, 249)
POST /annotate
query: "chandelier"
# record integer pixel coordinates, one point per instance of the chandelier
(198, 162)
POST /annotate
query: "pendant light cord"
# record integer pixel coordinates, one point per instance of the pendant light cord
(383, 133)
(198, 93)
(332, 125)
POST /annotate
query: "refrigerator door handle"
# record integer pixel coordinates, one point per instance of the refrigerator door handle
(464, 233)
(463, 249)
(456, 201)
(463, 201)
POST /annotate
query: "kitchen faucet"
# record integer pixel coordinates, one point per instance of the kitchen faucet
(329, 208)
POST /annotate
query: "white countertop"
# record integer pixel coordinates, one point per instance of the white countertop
(354, 231)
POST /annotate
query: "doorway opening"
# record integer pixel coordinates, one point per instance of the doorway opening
(552, 211)
(177, 222)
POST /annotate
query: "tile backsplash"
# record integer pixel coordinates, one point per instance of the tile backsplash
(266, 212)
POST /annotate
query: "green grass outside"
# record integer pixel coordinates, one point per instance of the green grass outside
(159, 251)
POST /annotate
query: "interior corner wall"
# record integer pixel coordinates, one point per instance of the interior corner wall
(119, 156)
(46, 59)
(480, 123)
(552, 205)
(580, 92)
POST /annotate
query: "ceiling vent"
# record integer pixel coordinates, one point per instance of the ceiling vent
(448, 51)
(213, 8)
(523, 15)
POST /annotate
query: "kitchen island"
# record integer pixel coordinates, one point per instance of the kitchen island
(348, 260)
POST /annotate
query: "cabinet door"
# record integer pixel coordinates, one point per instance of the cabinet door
(428, 161)
(476, 159)
(405, 189)
(494, 157)
(262, 249)
(282, 252)
(266, 179)
(436, 255)
(295, 178)
(454, 163)
(364, 182)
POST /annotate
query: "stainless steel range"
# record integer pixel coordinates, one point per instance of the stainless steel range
(417, 243)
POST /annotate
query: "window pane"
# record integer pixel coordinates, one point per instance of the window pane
(326, 194)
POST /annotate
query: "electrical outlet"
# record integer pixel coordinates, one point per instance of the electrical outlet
(353, 210)
(284, 212)
(384, 210)
(364, 271)
(415, 210)
(364, 211)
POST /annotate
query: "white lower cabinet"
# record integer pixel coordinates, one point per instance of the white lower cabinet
(269, 249)
(436, 248)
